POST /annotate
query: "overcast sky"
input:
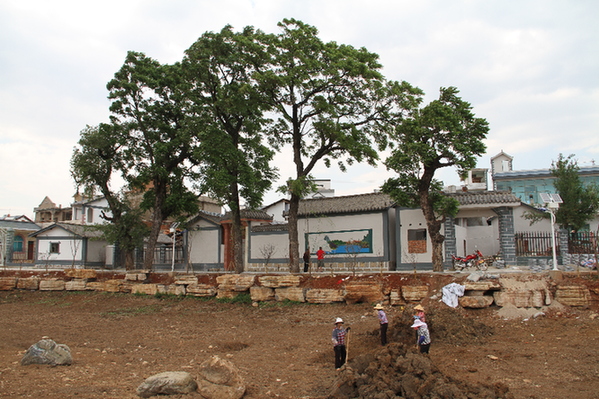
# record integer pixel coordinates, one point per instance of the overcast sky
(531, 68)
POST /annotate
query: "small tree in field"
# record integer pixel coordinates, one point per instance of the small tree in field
(442, 134)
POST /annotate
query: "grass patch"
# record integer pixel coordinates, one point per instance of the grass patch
(281, 304)
(240, 298)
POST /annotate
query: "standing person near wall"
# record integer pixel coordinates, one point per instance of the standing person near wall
(320, 257)
(424, 337)
(307, 260)
(383, 322)
(338, 338)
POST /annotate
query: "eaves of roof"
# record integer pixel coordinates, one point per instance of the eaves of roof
(346, 204)
(485, 199)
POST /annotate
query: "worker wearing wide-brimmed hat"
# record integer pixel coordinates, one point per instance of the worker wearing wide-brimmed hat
(424, 338)
(420, 313)
(383, 322)
(339, 339)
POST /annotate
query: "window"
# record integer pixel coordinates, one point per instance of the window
(54, 247)
(90, 215)
(17, 245)
(417, 241)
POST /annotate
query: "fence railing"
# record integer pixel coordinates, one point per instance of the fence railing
(539, 243)
(162, 255)
(583, 242)
(535, 243)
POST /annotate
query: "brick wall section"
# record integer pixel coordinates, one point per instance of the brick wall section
(506, 233)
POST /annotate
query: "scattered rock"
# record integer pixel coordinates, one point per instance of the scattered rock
(46, 351)
(167, 383)
(220, 379)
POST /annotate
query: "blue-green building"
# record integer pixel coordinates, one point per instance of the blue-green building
(527, 184)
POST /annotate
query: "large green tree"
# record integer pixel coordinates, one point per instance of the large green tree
(148, 110)
(227, 108)
(444, 133)
(94, 165)
(329, 102)
(580, 202)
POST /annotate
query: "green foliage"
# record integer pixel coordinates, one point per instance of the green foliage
(581, 203)
(444, 133)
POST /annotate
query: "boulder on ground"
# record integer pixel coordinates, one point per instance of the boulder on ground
(46, 351)
(167, 383)
(220, 379)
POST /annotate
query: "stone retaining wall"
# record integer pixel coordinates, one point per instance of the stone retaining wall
(500, 291)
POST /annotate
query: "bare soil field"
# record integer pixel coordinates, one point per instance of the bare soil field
(283, 350)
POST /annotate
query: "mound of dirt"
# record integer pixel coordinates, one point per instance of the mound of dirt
(449, 325)
(394, 372)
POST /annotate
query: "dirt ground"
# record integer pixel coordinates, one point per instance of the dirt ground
(282, 350)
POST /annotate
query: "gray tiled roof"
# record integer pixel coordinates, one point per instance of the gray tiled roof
(271, 227)
(346, 204)
(75, 229)
(250, 214)
(17, 225)
(496, 198)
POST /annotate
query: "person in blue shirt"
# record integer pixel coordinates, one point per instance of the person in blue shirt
(424, 337)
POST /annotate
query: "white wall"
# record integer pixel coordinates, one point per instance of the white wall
(204, 243)
(333, 224)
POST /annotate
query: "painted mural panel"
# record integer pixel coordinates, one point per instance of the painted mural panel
(341, 242)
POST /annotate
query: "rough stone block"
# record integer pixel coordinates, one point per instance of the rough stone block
(395, 298)
(367, 292)
(235, 282)
(520, 299)
(137, 276)
(75, 285)
(52, 285)
(324, 295)
(186, 279)
(414, 293)
(201, 290)
(148, 289)
(573, 295)
(295, 294)
(95, 286)
(259, 294)
(288, 280)
(89, 274)
(8, 283)
(476, 302)
(482, 286)
(112, 285)
(29, 283)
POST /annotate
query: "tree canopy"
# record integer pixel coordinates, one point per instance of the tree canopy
(444, 133)
(148, 111)
(330, 103)
(580, 202)
(226, 107)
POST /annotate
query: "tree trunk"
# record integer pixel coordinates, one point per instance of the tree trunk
(157, 219)
(433, 225)
(293, 234)
(237, 241)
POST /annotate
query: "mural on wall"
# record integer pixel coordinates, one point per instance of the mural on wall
(341, 242)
